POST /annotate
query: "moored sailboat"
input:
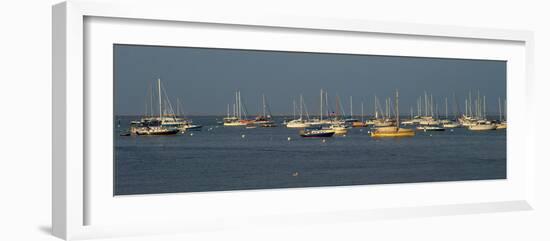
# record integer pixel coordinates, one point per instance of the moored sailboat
(265, 120)
(153, 125)
(239, 113)
(501, 122)
(396, 130)
(300, 122)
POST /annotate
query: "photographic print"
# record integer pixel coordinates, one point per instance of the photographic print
(190, 119)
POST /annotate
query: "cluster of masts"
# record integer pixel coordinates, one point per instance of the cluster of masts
(330, 121)
(164, 120)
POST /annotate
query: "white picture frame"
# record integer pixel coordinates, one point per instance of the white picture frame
(73, 189)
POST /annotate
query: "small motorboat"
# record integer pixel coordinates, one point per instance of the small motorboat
(451, 125)
(156, 131)
(126, 133)
(316, 132)
(431, 128)
(483, 127)
(192, 127)
(268, 125)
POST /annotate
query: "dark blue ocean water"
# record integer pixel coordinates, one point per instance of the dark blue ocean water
(219, 158)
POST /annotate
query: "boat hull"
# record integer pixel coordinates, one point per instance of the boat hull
(234, 124)
(432, 128)
(387, 132)
(358, 124)
(451, 125)
(482, 127)
(157, 133)
(317, 133)
(297, 125)
(192, 128)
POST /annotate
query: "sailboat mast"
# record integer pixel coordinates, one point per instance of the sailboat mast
(484, 108)
(387, 109)
(419, 106)
(151, 99)
(237, 106)
(397, 108)
(436, 110)
(263, 101)
(177, 106)
(337, 107)
(326, 105)
(375, 107)
(470, 103)
(301, 106)
(432, 104)
(160, 101)
(240, 106)
(446, 111)
(426, 102)
(478, 104)
(294, 109)
(362, 114)
(321, 106)
(466, 107)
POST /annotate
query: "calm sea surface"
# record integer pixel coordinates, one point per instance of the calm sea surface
(234, 158)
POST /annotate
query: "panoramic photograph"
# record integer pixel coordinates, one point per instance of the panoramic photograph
(190, 119)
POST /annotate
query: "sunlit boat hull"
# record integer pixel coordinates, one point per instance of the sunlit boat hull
(236, 123)
(392, 132)
(483, 127)
(451, 125)
(297, 124)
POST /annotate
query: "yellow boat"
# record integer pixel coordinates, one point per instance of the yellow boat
(393, 131)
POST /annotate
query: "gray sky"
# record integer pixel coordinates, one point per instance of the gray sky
(205, 79)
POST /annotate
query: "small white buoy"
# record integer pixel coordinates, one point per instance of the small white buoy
(452, 130)
(242, 135)
(191, 134)
(344, 135)
(288, 138)
(430, 134)
(295, 174)
(324, 140)
(368, 132)
(361, 130)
